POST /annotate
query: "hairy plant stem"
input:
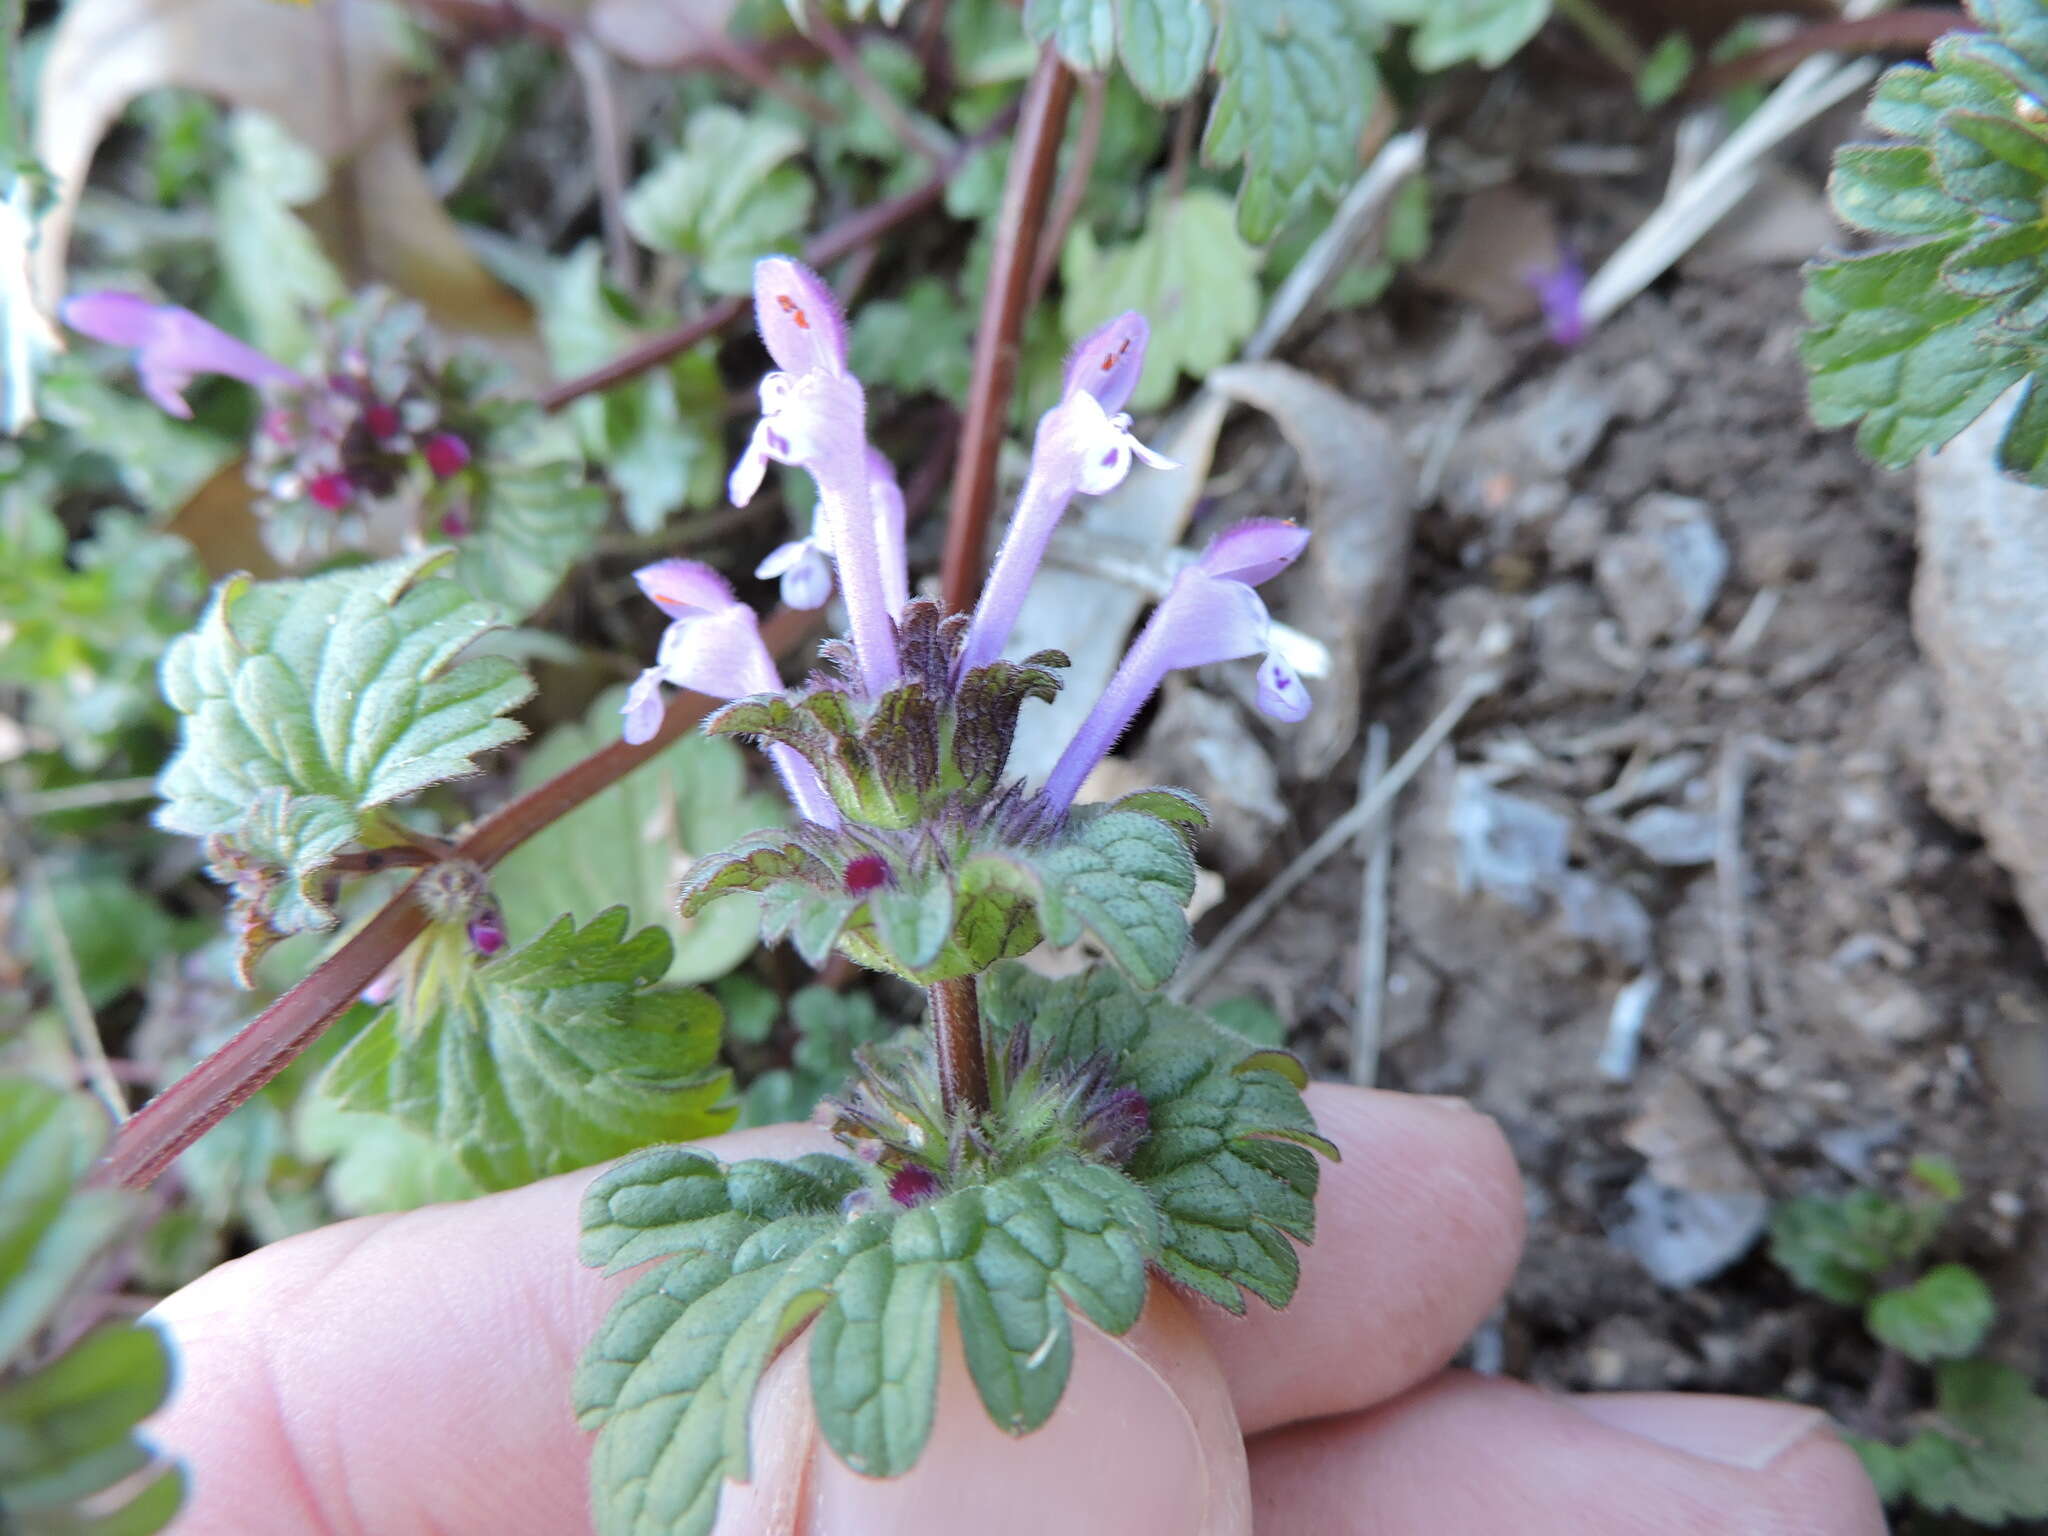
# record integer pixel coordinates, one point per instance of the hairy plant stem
(1019, 223)
(169, 1123)
(957, 1043)
(842, 239)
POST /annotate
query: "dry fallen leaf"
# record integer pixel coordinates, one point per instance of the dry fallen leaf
(336, 76)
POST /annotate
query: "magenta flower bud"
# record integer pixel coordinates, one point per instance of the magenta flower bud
(382, 420)
(487, 932)
(333, 490)
(454, 524)
(446, 454)
(867, 873)
(171, 346)
(1210, 614)
(913, 1184)
(1084, 445)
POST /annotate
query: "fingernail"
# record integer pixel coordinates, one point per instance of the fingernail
(1746, 1432)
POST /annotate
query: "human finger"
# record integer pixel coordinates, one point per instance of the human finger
(1472, 1456)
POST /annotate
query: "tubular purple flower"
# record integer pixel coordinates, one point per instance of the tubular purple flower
(885, 497)
(1210, 614)
(1084, 444)
(814, 416)
(171, 345)
(713, 647)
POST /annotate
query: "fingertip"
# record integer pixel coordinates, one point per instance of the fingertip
(1418, 1230)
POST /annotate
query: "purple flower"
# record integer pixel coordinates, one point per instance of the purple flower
(1560, 290)
(445, 453)
(713, 647)
(1084, 444)
(814, 416)
(1210, 614)
(171, 345)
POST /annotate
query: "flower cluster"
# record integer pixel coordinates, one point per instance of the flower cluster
(916, 852)
(379, 406)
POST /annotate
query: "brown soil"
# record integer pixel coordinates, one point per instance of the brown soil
(1896, 990)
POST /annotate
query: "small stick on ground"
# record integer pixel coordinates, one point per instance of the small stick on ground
(86, 797)
(1731, 881)
(80, 1026)
(1204, 966)
(1368, 1024)
(608, 146)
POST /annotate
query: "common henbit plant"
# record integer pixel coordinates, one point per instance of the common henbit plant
(1979, 1454)
(1041, 1146)
(1914, 340)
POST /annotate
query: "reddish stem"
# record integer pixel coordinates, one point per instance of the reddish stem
(150, 1139)
(1019, 223)
(842, 239)
(1911, 30)
(956, 1037)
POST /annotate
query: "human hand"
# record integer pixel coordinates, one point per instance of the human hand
(410, 1374)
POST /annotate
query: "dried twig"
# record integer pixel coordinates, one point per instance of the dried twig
(80, 1026)
(1073, 186)
(85, 797)
(608, 146)
(1018, 224)
(1368, 1023)
(1731, 874)
(1722, 181)
(1911, 30)
(1198, 971)
(848, 235)
(910, 133)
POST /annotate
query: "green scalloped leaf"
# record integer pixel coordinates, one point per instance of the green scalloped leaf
(308, 703)
(551, 1057)
(1452, 32)
(1165, 46)
(1984, 1462)
(1082, 31)
(1944, 1315)
(1125, 878)
(1230, 1161)
(68, 1425)
(754, 1251)
(1297, 80)
(759, 863)
(1916, 341)
(533, 523)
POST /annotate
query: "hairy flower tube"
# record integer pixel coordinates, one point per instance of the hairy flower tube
(172, 346)
(713, 646)
(919, 853)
